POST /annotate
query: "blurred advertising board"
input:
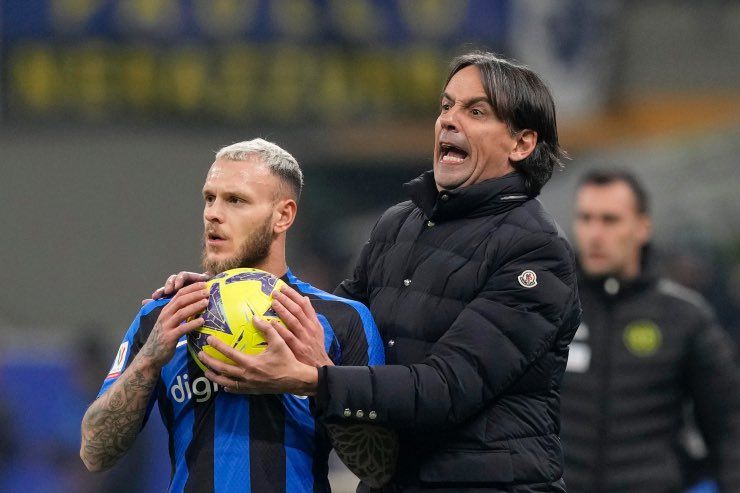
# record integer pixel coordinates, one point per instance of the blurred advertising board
(280, 62)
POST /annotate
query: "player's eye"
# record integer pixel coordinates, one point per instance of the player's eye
(444, 106)
(209, 199)
(476, 112)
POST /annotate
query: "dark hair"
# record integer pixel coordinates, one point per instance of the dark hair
(522, 101)
(601, 177)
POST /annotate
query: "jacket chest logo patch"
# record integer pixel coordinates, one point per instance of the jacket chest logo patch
(642, 338)
(528, 279)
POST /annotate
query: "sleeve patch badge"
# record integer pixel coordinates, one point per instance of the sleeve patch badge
(120, 361)
(528, 279)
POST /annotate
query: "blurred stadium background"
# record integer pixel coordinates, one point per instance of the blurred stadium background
(110, 111)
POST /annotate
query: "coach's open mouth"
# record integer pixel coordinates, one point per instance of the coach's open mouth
(450, 154)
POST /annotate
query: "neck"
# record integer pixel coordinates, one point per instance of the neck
(626, 273)
(632, 269)
(275, 262)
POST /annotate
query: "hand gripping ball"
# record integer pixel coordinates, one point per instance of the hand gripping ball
(236, 296)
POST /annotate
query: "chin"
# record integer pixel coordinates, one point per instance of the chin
(450, 177)
(213, 259)
(215, 263)
(447, 182)
(598, 271)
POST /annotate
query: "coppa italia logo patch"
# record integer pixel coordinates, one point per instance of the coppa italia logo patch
(528, 279)
(120, 360)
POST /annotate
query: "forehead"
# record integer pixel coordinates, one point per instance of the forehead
(466, 83)
(250, 172)
(615, 198)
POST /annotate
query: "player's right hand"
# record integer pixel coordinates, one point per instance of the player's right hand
(171, 324)
(175, 283)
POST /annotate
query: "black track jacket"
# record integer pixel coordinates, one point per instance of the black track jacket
(645, 349)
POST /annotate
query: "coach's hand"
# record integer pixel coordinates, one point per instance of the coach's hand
(175, 283)
(274, 371)
(304, 334)
(171, 326)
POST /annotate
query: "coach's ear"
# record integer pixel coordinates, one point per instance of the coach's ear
(524, 143)
(283, 215)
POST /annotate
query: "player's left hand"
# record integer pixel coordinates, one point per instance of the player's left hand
(275, 371)
(302, 332)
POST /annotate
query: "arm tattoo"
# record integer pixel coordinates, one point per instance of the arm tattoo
(369, 451)
(112, 422)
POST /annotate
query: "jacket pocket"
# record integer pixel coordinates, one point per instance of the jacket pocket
(468, 466)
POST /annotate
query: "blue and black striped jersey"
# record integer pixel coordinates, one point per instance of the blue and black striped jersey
(222, 442)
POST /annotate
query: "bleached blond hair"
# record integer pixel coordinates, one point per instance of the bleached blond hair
(279, 161)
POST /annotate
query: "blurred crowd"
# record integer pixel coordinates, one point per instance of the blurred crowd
(45, 397)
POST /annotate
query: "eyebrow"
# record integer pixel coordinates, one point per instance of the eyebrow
(223, 191)
(470, 102)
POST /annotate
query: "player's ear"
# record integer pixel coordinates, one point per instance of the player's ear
(283, 215)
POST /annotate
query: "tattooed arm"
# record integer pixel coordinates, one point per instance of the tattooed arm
(112, 422)
(369, 451)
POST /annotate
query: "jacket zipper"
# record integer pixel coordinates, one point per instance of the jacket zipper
(605, 400)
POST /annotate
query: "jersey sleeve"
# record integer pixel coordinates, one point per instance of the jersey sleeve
(135, 337)
(360, 343)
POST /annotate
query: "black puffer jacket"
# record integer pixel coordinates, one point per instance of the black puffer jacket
(474, 292)
(646, 348)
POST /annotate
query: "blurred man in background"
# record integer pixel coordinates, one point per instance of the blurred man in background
(220, 441)
(646, 348)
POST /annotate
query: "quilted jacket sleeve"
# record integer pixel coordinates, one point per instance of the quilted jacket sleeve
(355, 288)
(513, 321)
(713, 384)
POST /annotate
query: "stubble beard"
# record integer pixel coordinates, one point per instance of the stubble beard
(252, 251)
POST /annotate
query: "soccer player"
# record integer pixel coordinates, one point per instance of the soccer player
(219, 440)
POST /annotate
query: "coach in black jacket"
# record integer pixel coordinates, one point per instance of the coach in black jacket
(476, 299)
(646, 349)
(474, 292)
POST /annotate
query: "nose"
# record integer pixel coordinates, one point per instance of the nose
(594, 234)
(212, 212)
(448, 120)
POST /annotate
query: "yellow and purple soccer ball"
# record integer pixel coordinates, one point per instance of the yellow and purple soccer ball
(236, 296)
